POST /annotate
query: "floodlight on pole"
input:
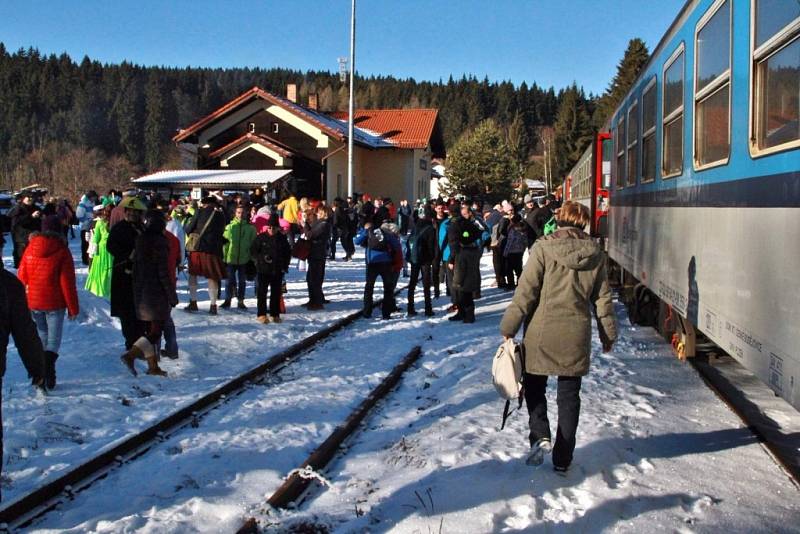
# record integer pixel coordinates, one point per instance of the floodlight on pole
(351, 106)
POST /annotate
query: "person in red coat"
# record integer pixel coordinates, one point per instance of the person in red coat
(48, 272)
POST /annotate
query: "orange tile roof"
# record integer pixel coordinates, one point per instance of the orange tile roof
(404, 128)
(260, 139)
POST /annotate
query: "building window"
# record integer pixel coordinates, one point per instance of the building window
(423, 164)
(712, 86)
(274, 127)
(776, 75)
(633, 139)
(620, 137)
(649, 132)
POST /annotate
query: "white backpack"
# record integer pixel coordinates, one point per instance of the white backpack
(507, 367)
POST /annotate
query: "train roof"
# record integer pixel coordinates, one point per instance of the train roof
(677, 23)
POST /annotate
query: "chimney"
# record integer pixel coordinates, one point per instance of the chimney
(291, 92)
(313, 101)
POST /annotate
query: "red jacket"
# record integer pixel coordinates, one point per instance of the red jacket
(48, 272)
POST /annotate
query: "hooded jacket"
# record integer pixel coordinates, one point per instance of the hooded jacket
(563, 280)
(239, 236)
(48, 272)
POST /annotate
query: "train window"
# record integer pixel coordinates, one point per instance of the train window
(633, 138)
(649, 132)
(712, 86)
(772, 16)
(776, 69)
(621, 151)
(672, 134)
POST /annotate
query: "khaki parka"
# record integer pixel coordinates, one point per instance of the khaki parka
(564, 282)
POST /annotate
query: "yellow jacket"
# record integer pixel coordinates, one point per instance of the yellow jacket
(290, 208)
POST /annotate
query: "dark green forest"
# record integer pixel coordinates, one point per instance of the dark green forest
(70, 125)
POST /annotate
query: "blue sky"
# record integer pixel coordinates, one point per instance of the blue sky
(547, 41)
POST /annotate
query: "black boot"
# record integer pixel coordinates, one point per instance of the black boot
(226, 304)
(429, 310)
(469, 314)
(411, 311)
(50, 369)
(459, 316)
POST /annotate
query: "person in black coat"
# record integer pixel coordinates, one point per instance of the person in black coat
(404, 217)
(16, 322)
(25, 220)
(464, 236)
(316, 230)
(272, 255)
(121, 245)
(421, 255)
(153, 293)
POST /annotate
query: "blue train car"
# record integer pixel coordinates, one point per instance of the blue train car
(705, 195)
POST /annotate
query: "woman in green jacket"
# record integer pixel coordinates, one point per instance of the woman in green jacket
(563, 281)
(99, 279)
(239, 236)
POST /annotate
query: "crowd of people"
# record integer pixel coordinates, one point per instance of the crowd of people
(135, 245)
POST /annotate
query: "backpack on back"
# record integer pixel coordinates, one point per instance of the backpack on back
(516, 243)
(377, 240)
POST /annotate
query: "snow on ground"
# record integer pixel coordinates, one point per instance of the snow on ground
(97, 402)
(657, 450)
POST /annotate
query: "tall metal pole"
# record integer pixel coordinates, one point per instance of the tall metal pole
(351, 110)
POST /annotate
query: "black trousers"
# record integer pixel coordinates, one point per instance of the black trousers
(436, 274)
(314, 278)
(374, 270)
(332, 242)
(84, 247)
(132, 328)
(269, 283)
(346, 237)
(416, 270)
(569, 407)
(513, 268)
(499, 264)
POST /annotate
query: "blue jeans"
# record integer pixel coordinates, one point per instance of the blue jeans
(170, 337)
(50, 324)
(236, 272)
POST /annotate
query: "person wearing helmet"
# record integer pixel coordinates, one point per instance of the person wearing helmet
(121, 244)
(153, 292)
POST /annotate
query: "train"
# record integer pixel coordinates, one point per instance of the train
(703, 205)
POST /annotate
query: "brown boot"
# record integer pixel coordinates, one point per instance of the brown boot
(212, 310)
(277, 319)
(153, 368)
(130, 356)
(191, 307)
(263, 319)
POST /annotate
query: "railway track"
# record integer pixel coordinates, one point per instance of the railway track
(34, 505)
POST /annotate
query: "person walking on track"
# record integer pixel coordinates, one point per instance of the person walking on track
(564, 278)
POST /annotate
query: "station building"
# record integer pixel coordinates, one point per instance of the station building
(393, 148)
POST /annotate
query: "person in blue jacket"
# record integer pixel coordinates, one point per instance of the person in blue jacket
(380, 247)
(445, 253)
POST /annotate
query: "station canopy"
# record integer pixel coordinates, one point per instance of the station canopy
(213, 179)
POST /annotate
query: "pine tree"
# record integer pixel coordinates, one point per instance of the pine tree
(573, 130)
(520, 144)
(480, 164)
(636, 56)
(155, 125)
